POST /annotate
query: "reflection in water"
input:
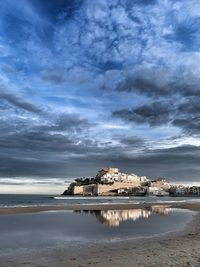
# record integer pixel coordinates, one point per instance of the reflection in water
(65, 228)
(115, 217)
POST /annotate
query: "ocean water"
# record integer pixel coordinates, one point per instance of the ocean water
(45, 200)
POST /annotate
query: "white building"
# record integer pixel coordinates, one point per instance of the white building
(109, 175)
(157, 191)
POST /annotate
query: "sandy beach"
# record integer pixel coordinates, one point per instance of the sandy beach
(173, 249)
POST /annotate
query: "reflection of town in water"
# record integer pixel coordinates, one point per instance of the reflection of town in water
(115, 217)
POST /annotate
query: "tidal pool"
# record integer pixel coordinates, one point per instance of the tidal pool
(63, 228)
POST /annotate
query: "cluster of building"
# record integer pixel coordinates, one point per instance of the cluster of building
(111, 182)
(109, 175)
(181, 190)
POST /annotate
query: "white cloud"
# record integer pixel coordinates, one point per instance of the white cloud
(22, 185)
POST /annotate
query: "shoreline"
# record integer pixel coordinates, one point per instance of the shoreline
(113, 206)
(172, 249)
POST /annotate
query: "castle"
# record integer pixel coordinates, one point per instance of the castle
(110, 182)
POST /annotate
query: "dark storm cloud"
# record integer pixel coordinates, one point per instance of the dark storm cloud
(189, 125)
(185, 115)
(12, 167)
(174, 163)
(190, 106)
(49, 155)
(132, 141)
(19, 103)
(188, 117)
(156, 113)
(41, 141)
(42, 150)
(152, 82)
(61, 132)
(159, 82)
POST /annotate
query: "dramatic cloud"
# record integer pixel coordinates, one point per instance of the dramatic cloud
(86, 84)
(155, 114)
(184, 115)
(152, 82)
(19, 103)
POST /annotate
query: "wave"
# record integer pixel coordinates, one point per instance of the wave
(24, 206)
(168, 201)
(95, 201)
(112, 200)
(101, 198)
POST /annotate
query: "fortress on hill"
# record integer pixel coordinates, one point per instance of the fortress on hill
(110, 182)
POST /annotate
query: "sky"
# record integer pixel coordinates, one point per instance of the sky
(87, 84)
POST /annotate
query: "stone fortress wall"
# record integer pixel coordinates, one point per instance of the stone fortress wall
(108, 182)
(105, 189)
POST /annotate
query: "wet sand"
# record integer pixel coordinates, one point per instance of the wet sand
(178, 249)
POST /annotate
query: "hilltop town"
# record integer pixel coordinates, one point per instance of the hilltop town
(111, 182)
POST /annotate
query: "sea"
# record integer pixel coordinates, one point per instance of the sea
(22, 200)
